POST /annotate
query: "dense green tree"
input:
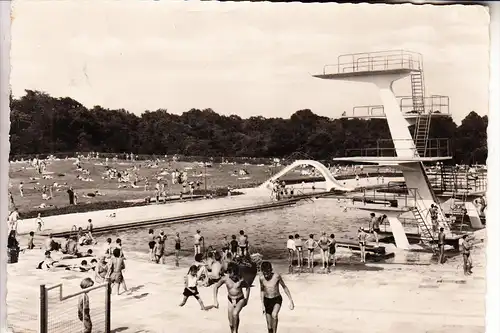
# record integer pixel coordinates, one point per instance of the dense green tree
(41, 124)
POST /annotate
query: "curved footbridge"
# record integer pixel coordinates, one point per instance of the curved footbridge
(330, 181)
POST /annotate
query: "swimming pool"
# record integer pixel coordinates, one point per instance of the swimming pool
(268, 231)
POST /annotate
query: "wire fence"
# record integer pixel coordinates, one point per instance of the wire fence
(60, 313)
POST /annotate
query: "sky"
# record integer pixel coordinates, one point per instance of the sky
(248, 59)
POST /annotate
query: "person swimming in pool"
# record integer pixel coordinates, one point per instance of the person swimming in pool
(237, 300)
(270, 295)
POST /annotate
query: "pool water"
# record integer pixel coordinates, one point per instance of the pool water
(268, 231)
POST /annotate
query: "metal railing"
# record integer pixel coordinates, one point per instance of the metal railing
(453, 180)
(436, 147)
(435, 105)
(375, 61)
(407, 198)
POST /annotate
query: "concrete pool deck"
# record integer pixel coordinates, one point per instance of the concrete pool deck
(251, 197)
(372, 298)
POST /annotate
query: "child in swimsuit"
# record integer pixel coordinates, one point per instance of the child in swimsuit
(333, 248)
(234, 245)
(151, 243)
(298, 247)
(290, 245)
(190, 287)
(84, 306)
(158, 250)
(311, 245)
(242, 243)
(362, 243)
(177, 240)
(225, 246)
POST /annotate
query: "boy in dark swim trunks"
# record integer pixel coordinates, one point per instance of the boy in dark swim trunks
(270, 295)
(333, 248)
(190, 287)
(234, 246)
(237, 300)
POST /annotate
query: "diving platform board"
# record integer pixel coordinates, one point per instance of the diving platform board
(352, 72)
(396, 160)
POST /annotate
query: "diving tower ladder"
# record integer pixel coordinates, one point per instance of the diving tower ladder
(423, 121)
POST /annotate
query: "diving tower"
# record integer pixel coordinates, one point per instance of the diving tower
(381, 70)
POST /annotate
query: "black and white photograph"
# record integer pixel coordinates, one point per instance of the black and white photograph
(245, 167)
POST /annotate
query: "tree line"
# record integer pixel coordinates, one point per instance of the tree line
(42, 124)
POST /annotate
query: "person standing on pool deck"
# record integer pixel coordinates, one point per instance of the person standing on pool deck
(84, 306)
(290, 245)
(270, 295)
(234, 246)
(332, 244)
(197, 242)
(362, 243)
(372, 225)
(298, 247)
(237, 299)
(243, 243)
(311, 245)
(323, 244)
(177, 240)
(151, 244)
(225, 247)
(441, 241)
(190, 287)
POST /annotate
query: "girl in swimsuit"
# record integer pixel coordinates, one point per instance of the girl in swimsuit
(311, 245)
(323, 244)
(298, 247)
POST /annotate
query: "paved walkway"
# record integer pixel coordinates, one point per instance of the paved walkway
(379, 298)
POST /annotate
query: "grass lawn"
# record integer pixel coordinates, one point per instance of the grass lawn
(64, 172)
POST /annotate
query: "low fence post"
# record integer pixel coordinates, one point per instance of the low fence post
(43, 309)
(107, 324)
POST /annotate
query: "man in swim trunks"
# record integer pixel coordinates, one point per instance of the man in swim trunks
(270, 295)
(333, 248)
(323, 244)
(237, 300)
